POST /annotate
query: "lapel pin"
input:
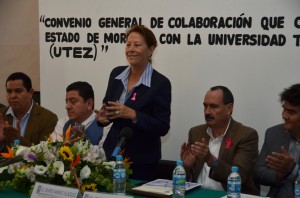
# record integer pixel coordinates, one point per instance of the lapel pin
(228, 143)
(133, 97)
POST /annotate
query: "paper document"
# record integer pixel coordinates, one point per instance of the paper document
(163, 186)
(245, 196)
(169, 184)
(154, 189)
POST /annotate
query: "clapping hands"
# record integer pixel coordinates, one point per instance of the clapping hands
(200, 149)
(8, 133)
(187, 156)
(114, 110)
(280, 162)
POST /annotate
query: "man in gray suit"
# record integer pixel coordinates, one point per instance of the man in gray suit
(278, 160)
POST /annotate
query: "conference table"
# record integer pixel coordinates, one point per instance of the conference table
(195, 193)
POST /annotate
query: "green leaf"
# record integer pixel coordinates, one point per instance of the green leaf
(5, 176)
(6, 162)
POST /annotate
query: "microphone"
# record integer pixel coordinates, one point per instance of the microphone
(125, 135)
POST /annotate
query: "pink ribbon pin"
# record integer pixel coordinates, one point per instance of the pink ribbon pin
(133, 97)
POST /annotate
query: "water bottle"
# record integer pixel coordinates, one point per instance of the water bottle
(179, 179)
(234, 183)
(119, 174)
(16, 143)
(297, 186)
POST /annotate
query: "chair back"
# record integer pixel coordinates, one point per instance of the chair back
(165, 169)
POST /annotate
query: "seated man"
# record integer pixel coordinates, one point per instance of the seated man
(278, 161)
(23, 119)
(80, 109)
(222, 142)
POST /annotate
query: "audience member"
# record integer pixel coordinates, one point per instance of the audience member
(138, 97)
(81, 116)
(23, 119)
(278, 160)
(222, 142)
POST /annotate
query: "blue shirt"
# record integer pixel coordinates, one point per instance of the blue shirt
(145, 80)
(23, 122)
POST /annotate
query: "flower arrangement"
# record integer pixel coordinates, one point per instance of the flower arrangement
(69, 163)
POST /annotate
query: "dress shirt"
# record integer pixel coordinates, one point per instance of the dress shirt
(57, 134)
(145, 80)
(214, 148)
(23, 122)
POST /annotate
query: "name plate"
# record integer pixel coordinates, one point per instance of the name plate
(88, 194)
(42, 190)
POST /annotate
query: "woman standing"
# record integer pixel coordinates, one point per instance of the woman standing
(138, 97)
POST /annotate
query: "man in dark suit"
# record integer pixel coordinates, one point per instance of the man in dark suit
(222, 142)
(23, 119)
(278, 161)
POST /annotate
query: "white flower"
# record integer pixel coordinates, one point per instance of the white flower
(59, 167)
(39, 169)
(29, 174)
(12, 168)
(67, 176)
(36, 148)
(78, 145)
(22, 150)
(85, 172)
(93, 154)
(40, 148)
(49, 157)
(111, 163)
